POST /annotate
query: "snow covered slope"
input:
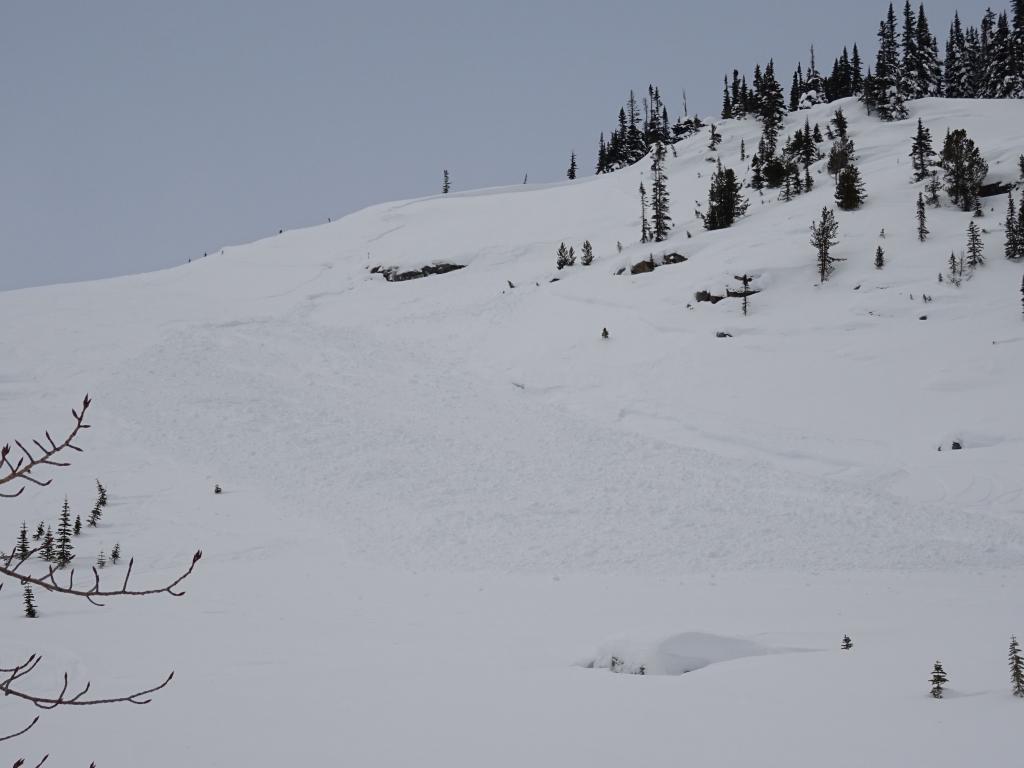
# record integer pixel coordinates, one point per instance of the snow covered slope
(442, 494)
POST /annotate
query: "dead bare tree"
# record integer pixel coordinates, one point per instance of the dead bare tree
(12, 678)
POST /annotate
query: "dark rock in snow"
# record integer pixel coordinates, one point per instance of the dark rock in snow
(392, 275)
(723, 335)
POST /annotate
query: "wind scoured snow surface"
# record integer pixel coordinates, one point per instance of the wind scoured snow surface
(442, 494)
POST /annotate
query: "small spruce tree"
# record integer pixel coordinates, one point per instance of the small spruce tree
(975, 249)
(23, 549)
(571, 173)
(921, 152)
(115, 553)
(587, 257)
(939, 680)
(922, 219)
(847, 643)
(101, 494)
(446, 184)
(40, 532)
(850, 189)
(933, 187)
(645, 227)
(30, 603)
(823, 238)
(95, 514)
(101, 561)
(1016, 668)
(879, 258)
(561, 261)
(78, 525)
(63, 549)
(46, 550)
(1014, 248)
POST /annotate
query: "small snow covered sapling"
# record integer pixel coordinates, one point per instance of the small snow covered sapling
(101, 494)
(880, 258)
(40, 532)
(939, 680)
(23, 550)
(115, 553)
(847, 643)
(101, 561)
(78, 525)
(588, 254)
(95, 514)
(30, 603)
(604, 333)
(1016, 668)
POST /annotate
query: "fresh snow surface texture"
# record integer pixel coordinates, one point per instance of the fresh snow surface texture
(441, 495)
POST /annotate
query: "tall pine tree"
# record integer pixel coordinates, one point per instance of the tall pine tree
(62, 554)
(660, 218)
(922, 219)
(921, 152)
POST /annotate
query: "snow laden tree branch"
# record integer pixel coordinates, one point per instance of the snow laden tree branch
(13, 566)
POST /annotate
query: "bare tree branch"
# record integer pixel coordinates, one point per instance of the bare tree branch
(49, 582)
(26, 729)
(22, 470)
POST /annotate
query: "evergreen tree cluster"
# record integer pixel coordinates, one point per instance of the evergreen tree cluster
(980, 62)
(725, 201)
(964, 169)
(566, 257)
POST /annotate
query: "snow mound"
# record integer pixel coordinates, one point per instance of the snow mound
(676, 654)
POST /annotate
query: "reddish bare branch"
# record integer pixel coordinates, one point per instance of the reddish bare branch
(50, 583)
(21, 470)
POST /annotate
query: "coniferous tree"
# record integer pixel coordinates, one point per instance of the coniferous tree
(101, 492)
(887, 91)
(771, 107)
(46, 550)
(445, 188)
(922, 219)
(932, 188)
(965, 168)
(956, 78)
(562, 257)
(572, 256)
(1014, 248)
(910, 84)
(929, 71)
(939, 680)
(101, 560)
(956, 269)
(814, 86)
(95, 514)
(571, 173)
(756, 176)
(725, 200)
(850, 189)
(1020, 160)
(715, 138)
(40, 532)
(660, 217)
(823, 237)
(975, 249)
(726, 101)
(30, 603)
(1017, 52)
(743, 150)
(1016, 669)
(78, 525)
(23, 549)
(115, 553)
(921, 152)
(879, 258)
(645, 227)
(856, 73)
(587, 257)
(62, 554)
(847, 643)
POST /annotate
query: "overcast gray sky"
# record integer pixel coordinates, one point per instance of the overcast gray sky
(136, 134)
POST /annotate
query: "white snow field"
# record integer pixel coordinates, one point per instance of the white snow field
(445, 499)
